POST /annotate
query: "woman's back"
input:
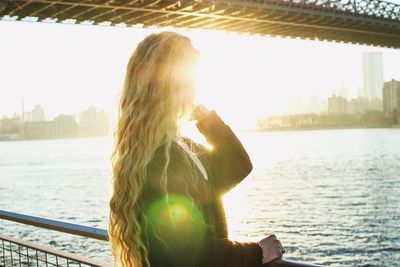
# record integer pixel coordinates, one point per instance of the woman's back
(166, 209)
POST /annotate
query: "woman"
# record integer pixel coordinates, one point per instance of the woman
(166, 207)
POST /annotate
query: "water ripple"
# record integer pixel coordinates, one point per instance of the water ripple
(332, 197)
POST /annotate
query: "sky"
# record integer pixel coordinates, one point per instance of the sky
(66, 68)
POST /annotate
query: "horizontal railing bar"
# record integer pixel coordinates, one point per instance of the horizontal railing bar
(60, 226)
(286, 263)
(100, 234)
(55, 252)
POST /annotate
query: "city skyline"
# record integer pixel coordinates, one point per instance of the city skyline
(33, 125)
(343, 113)
(38, 113)
(70, 67)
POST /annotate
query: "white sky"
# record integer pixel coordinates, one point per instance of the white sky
(66, 68)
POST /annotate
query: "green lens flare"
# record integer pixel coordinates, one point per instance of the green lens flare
(179, 213)
(178, 223)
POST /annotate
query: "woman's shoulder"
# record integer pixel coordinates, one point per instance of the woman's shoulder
(177, 156)
(195, 147)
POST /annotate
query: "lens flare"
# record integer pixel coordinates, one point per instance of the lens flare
(177, 221)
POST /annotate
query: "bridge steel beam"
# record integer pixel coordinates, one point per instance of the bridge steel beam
(370, 22)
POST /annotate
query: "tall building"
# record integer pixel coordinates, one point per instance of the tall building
(38, 113)
(373, 78)
(337, 105)
(391, 99)
(93, 122)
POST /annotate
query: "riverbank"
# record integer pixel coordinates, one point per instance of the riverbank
(367, 120)
(319, 128)
(14, 138)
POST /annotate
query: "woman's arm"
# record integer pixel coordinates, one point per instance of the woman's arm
(235, 254)
(248, 253)
(228, 160)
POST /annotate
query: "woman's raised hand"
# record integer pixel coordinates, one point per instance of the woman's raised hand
(272, 249)
(199, 112)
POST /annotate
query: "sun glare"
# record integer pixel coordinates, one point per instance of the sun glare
(242, 77)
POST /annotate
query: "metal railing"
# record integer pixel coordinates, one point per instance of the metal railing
(64, 227)
(16, 252)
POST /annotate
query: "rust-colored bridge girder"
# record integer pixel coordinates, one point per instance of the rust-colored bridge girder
(370, 22)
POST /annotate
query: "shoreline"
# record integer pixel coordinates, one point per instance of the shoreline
(318, 128)
(47, 138)
(293, 129)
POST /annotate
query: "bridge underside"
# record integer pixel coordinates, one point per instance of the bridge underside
(299, 19)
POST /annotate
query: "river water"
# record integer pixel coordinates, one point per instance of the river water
(331, 196)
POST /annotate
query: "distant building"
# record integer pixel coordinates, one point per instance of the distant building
(337, 105)
(376, 104)
(373, 75)
(27, 116)
(37, 130)
(357, 105)
(10, 125)
(373, 79)
(38, 113)
(93, 123)
(32, 125)
(391, 99)
(64, 126)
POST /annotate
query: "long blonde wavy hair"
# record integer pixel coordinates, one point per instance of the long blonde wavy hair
(157, 92)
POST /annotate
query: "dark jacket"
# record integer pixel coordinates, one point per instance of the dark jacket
(189, 227)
